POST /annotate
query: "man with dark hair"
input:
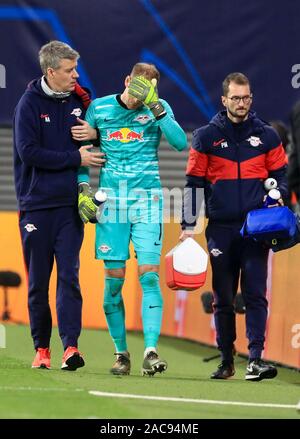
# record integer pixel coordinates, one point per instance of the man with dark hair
(230, 158)
(236, 78)
(46, 161)
(131, 125)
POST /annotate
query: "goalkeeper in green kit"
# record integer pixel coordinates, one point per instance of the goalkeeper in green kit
(130, 126)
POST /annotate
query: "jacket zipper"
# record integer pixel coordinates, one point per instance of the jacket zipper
(239, 180)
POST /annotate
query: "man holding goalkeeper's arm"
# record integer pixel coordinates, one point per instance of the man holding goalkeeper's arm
(46, 162)
(131, 125)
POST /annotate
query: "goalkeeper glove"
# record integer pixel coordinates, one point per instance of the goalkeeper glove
(86, 207)
(146, 92)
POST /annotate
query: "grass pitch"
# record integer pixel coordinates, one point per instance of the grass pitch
(48, 394)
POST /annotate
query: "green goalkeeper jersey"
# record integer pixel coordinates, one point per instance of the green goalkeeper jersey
(130, 141)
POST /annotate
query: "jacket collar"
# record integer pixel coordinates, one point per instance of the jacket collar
(49, 92)
(238, 131)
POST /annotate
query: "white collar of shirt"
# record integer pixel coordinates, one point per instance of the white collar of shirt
(50, 92)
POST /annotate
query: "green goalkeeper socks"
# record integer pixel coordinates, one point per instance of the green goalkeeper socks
(114, 312)
(151, 308)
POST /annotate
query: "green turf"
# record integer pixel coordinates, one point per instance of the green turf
(32, 393)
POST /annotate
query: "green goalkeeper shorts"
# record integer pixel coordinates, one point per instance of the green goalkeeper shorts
(113, 239)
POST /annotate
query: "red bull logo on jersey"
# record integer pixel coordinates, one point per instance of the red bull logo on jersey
(125, 135)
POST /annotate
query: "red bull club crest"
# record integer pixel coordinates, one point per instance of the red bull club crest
(254, 141)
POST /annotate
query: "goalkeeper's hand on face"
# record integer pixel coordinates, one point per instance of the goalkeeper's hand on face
(87, 209)
(146, 92)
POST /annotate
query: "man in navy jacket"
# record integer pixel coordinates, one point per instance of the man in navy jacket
(46, 161)
(230, 158)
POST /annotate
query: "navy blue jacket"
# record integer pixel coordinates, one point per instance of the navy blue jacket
(231, 161)
(46, 158)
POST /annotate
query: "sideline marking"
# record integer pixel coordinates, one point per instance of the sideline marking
(153, 398)
(190, 400)
(39, 389)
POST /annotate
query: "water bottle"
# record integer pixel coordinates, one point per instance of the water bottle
(272, 197)
(270, 183)
(99, 199)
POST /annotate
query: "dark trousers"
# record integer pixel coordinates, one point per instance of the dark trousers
(47, 234)
(234, 258)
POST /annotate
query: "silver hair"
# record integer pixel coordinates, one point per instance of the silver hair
(51, 54)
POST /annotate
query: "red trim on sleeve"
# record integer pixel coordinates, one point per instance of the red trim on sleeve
(197, 163)
(276, 158)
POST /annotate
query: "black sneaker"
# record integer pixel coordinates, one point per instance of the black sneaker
(258, 370)
(225, 370)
